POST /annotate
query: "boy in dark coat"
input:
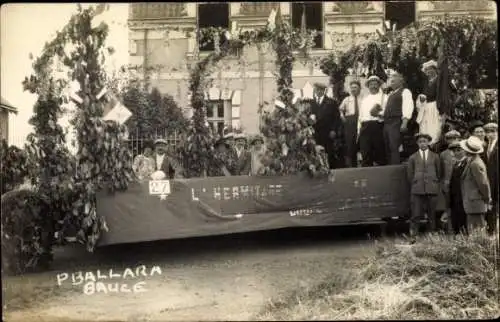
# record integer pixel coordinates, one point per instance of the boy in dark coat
(424, 175)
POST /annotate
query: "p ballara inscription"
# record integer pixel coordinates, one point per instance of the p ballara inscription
(110, 281)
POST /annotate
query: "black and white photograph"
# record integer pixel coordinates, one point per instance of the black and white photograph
(249, 161)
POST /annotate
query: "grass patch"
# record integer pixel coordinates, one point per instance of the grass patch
(439, 277)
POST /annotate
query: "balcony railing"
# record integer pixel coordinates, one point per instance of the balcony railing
(257, 8)
(157, 10)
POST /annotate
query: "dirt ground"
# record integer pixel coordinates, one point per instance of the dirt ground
(216, 278)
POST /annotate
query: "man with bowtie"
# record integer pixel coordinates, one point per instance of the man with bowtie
(328, 126)
(397, 113)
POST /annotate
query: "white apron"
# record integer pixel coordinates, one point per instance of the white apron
(429, 120)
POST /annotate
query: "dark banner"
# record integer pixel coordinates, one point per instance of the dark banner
(221, 205)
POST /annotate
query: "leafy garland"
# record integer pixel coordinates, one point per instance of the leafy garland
(198, 152)
(469, 43)
(68, 184)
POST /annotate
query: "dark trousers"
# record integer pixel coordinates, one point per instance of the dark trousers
(422, 204)
(392, 139)
(351, 140)
(475, 221)
(371, 143)
(491, 219)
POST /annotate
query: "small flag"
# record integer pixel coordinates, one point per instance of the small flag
(279, 104)
(119, 114)
(101, 93)
(76, 98)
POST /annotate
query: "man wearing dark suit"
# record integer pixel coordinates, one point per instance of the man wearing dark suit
(398, 111)
(491, 130)
(349, 112)
(424, 174)
(243, 156)
(447, 159)
(475, 186)
(165, 163)
(328, 126)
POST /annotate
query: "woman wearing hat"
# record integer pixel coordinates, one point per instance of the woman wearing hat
(224, 161)
(144, 164)
(428, 118)
(475, 185)
(257, 152)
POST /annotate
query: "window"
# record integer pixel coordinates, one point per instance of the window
(400, 12)
(212, 15)
(216, 116)
(314, 18)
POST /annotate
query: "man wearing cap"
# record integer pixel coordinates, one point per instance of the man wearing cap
(349, 111)
(476, 128)
(169, 166)
(491, 130)
(328, 126)
(242, 156)
(371, 134)
(424, 174)
(428, 118)
(457, 217)
(447, 159)
(397, 113)
(476, 191)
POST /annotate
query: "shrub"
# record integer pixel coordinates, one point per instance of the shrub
(13, 165)
(25, 232)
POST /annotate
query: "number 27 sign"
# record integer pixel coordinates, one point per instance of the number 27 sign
(159, 187)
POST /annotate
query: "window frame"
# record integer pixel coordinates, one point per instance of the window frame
(210, 49)
(322, 35)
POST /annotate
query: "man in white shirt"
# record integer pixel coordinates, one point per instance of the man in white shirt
(397, 113)
(349, 112)
(371, 134)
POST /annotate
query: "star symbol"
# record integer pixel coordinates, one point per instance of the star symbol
(163, 197)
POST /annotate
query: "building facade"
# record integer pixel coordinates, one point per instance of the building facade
(246, 80)
(5, 110)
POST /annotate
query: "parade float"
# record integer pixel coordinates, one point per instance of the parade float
(92, 197)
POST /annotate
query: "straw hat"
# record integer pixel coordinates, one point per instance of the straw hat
(429, 64)
(161, 142)
(453, 134)
(373, 78)
(472, 145)
(240, 136)
(256, 138)
(491, 126)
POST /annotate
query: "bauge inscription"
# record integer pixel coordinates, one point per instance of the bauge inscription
(110, 281)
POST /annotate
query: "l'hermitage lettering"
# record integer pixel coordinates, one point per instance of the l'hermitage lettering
(110, 281)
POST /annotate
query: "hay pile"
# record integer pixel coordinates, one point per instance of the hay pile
(439, 277)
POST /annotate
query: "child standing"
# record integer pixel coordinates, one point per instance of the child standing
(424, 175)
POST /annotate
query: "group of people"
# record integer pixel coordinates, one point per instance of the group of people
(458, 188)
(235, 154)
(373, 125)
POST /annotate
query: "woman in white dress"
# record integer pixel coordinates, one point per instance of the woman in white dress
(428, 118)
